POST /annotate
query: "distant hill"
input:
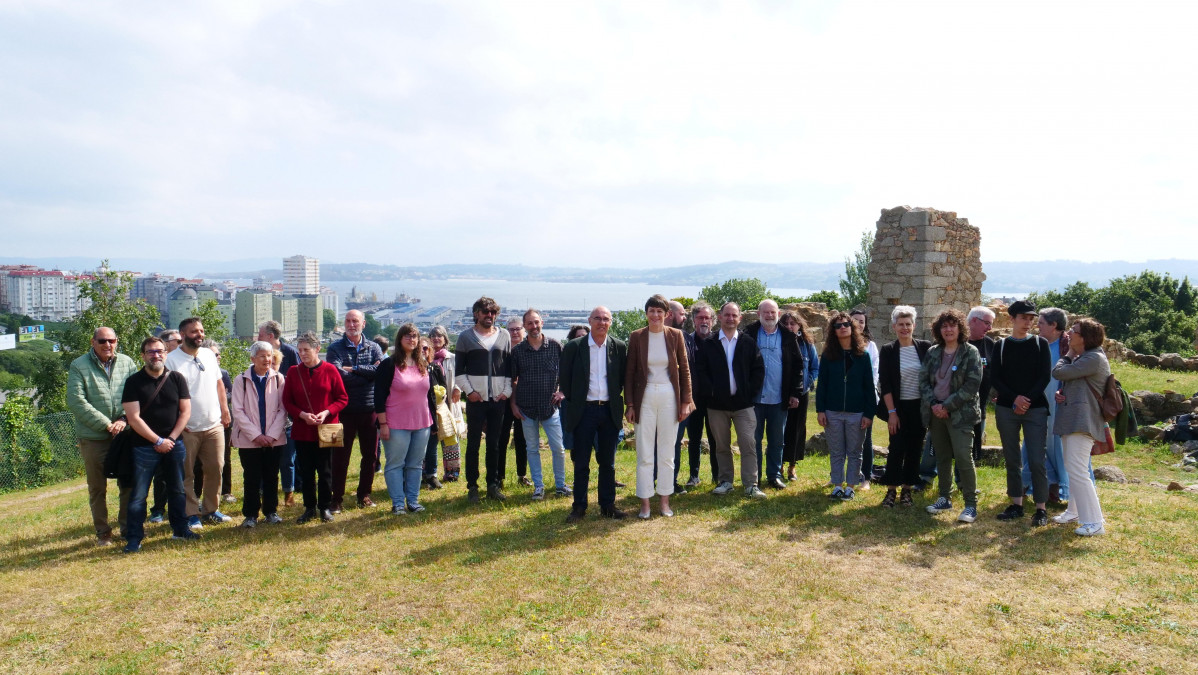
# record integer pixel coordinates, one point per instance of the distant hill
(1001, 277)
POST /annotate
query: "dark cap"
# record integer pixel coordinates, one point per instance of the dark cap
(1021, 307)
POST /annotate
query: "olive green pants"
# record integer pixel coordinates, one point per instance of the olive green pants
(950, 444)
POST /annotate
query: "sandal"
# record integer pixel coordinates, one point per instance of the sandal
(906, 499)
(888, 500)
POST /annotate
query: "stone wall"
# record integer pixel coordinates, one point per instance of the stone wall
(925, 258)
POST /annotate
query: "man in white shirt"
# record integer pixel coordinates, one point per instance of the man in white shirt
(204, 437)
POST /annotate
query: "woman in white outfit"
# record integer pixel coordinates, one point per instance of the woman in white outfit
(1083, 373)
(657, 391)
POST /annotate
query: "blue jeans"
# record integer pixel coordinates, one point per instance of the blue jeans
(532, 439)
(146, 461)
(288, 476)
(405, 465)
(773, 416)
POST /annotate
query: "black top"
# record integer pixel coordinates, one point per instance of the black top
(1021, 368)
(711, 373)
(889, 377)
(985, 348)
(162, 413)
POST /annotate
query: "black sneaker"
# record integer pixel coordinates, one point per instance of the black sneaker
(307, 515)
(1040, 518)
(679, 489)
(614, 513)
(472, 495)
(1013, 512)
(434, 483)
(187, 535)
(493, 492)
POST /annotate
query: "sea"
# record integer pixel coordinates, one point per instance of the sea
(461, 293)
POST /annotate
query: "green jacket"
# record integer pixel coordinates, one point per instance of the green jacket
(94, 396)
(962, 401)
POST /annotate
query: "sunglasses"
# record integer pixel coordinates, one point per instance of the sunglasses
(106, 341)
(841, 324)
(491, 312)
(196, 360)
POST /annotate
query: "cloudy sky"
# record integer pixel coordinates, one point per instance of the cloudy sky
(639, 133)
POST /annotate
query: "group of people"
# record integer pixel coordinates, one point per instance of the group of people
(183, 413)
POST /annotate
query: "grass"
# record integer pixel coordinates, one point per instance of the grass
(1136, 378)
(727, 585)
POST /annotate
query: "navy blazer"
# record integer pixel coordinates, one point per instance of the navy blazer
(574, 378)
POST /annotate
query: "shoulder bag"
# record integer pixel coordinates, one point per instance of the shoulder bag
(118, 462)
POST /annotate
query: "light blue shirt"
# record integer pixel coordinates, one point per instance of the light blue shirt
(770, 346)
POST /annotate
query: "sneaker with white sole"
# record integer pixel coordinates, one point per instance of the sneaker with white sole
(848, 493)
(563, 492)
(940, 505)
(693, 482)
(194, 523)
(1090, 530)
(969, 515)
(538, 494)
(273, 518)
(722, 489)
(1062, 518)
(754, 492)
(249, 523)
(837, 493)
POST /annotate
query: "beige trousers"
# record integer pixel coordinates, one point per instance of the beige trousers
(721, 430)
(209, 447)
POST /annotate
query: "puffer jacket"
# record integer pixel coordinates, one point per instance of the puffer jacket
(94, 396)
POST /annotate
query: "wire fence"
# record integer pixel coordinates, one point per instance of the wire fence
(43, 452)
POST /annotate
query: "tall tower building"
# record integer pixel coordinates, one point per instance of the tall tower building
(301, 275)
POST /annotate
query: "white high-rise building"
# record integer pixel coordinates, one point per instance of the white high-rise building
(301, 275)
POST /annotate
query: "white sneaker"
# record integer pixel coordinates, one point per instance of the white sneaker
(969, 515)
(1090, 530)
(1062, 518)
(722, 489)
(754, 492)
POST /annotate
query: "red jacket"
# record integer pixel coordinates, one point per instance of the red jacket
(323, 387)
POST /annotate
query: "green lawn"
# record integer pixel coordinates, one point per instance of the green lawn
(797, 582)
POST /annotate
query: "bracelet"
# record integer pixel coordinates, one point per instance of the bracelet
(159, 442)
(891, 411)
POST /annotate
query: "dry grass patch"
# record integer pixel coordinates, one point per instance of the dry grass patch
(728, 585)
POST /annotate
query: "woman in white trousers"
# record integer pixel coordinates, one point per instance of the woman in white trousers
(657, 391)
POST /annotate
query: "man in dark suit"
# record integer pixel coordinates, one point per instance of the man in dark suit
(730, 373)
(592, 378)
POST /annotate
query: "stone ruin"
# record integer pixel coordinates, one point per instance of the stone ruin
(925, 258)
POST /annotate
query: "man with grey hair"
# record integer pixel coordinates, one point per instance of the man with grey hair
(780, 390)
(95, 382)
(703, 317)
(1050, 324)
(357, 359)
(272, 333)
(171, 339)
(515, 330)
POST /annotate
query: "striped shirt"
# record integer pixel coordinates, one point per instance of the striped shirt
(908, 374)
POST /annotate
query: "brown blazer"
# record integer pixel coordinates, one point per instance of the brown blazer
(637, 375)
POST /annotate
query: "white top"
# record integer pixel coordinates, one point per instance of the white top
(729, 344)
(597, 386)
(659, 359)
(908, 373)
(488, 341)
(201, 384)
(872, 350)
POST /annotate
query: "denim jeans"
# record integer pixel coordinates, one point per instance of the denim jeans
(146, 461)
(771, 423)
(405, 465)
(553, 433)
(288, 476)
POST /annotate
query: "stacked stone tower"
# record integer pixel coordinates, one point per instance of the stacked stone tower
(925, 258)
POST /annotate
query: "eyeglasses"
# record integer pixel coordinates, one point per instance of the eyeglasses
(196, 360)
(152, 352)
(106, 341)
(217, 354)
(841, 324)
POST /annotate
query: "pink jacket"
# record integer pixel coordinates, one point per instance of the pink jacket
(246, 425)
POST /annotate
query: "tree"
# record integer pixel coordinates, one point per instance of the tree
(747, 293)
(235, 353)
(625, 321)
(830, 298)
(854, 285)
(109, 293)
(329, 320)
(372, 328)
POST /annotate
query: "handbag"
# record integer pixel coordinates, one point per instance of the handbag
(327, 435)
(118, 461)
(1103, 447)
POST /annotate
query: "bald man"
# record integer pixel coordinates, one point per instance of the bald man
(357, 359)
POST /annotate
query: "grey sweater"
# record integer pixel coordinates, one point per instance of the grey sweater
(1080, 378)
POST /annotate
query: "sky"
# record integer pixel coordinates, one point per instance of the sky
(592, 134)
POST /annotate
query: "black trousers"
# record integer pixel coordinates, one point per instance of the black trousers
(695, 425)
(978, 429)
(484, 416)
(260, 475)
(315, 466)
(795, 447)
(597, 432)
(906, 447)
(509, 421)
